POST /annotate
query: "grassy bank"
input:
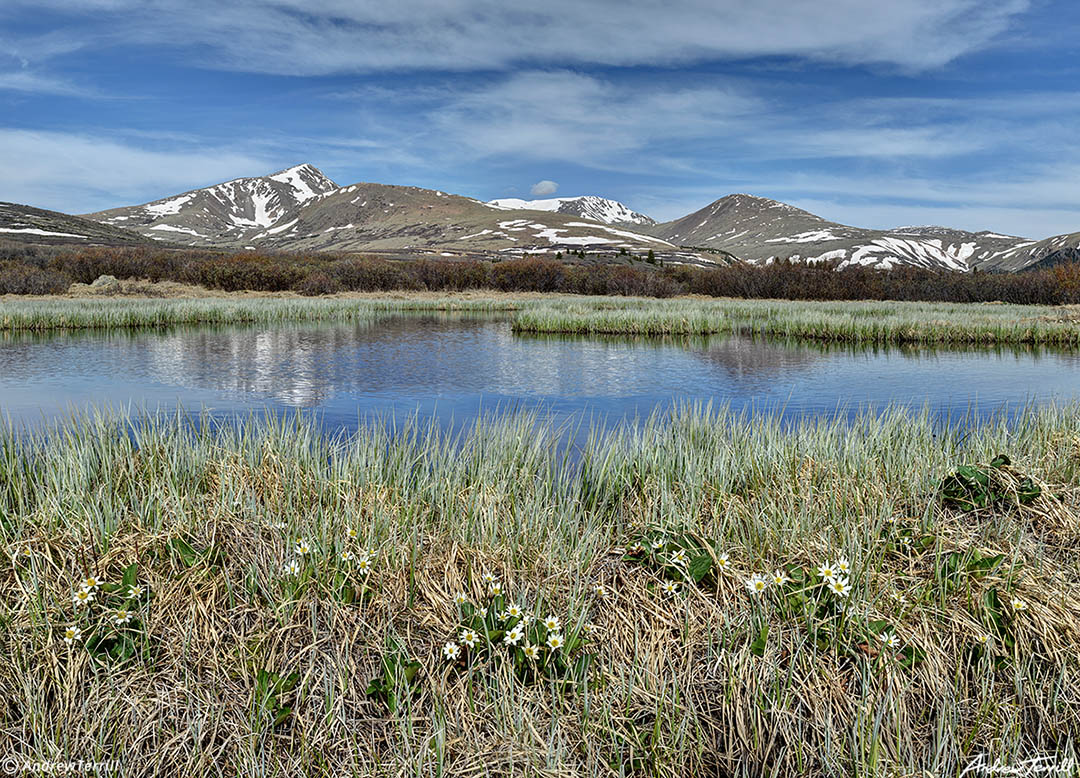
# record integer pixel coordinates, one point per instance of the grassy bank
(60, 314)
(234, 662)
(855, 322)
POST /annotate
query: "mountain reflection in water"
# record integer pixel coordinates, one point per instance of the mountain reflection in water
(457, 366)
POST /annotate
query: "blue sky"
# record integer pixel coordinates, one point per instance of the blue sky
(879, 114)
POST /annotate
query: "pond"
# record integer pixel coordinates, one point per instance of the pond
(454, 367)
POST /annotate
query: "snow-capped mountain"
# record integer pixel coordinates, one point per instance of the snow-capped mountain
(369, 216)
(1030, 253)
(301, 209)
(760, 231)
(588, 206)
(226, 213)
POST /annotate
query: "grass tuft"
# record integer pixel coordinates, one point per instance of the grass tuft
(234, 661)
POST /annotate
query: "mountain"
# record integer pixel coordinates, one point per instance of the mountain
(25, 224)
(380, 216)
(1036, 253)
(589, 206)
(225, 214)
(302, 209)
(759, 230)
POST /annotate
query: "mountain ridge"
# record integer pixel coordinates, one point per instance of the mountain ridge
(760, 231)
(300, 208)
(600, 209)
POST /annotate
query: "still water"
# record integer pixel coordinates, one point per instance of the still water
(452, 368)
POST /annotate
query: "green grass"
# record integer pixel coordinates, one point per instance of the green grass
(233, 665)
(70, 314)
(855, 322)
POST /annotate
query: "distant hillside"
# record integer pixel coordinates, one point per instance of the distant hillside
(301, 209)
(758, 230)
(26, 224)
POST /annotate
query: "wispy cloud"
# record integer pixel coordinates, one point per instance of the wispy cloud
(77, 173)
(311, 37)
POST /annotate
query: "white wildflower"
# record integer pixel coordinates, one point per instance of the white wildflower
(756, 584)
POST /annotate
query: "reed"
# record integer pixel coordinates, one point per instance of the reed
(70, 314)
(232, 661)
(854, 322)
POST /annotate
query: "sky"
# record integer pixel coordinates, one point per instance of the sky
(877, 114)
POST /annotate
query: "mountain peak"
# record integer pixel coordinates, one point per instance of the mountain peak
(741, 200)
(306, 179)
(592, 207)
(224, 213)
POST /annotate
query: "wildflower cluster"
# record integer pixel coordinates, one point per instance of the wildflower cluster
(679, 559)
(503, 630)
(352, 566)
(108, 613)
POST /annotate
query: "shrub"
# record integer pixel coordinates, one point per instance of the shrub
(530, 274)
(371, 275)
(44, 267)
(17, 278)
(318, 283)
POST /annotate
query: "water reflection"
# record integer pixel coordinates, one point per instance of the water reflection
(454, 366)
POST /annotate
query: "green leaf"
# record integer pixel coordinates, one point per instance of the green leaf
(699, 567)
(911, 655)
(183, 549)
(980, 565)
(281, 715)
(412, 667)
(288, 683)
(131, 576)
(757, 648)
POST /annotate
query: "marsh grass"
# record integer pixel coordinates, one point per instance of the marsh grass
(855, 322)
(71, 314)
(840, 322)
(242, 671)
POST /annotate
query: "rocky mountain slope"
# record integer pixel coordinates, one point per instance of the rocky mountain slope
(1039, 253)
(380, 216)
(25, 224)
(302, 209)
(225, 214)
(759, 230)
(590, 207)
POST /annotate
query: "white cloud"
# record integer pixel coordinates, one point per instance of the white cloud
(79, 173)
(311, 37)
(30, 82)
(563, 115)
(545, 187)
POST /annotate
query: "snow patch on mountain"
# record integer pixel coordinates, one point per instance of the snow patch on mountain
(589, 206)
(35, 231)
(806, 237)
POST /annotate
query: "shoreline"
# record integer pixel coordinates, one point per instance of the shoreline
(984, 606)
(956, 324)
